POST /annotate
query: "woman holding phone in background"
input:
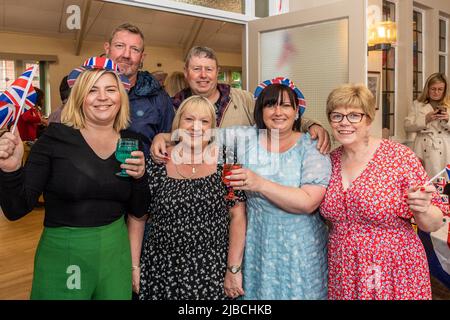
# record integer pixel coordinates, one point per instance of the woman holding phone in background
(429, 118)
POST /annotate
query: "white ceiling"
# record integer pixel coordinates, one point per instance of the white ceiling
(48, 18)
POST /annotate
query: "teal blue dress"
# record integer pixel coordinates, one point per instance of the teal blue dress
(285, 254)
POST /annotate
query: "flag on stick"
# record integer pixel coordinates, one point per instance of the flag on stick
(447, 168)
(18, 98)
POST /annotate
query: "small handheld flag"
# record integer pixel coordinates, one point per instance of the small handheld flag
(18, 98)
(440, 184)
(447, 168)
(27, 80)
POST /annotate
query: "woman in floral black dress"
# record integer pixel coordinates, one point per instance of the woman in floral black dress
(197, 238)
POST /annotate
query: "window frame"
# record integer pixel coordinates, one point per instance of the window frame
(389, 109)
(4, 75)
(419, 73)
(443, 53)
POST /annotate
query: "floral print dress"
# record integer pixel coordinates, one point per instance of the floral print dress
(373, 251)
(185, 254)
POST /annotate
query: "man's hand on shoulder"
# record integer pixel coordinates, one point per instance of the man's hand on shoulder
(323, 138)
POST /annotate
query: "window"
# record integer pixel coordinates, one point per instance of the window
(11, 69)
(236, 79)
(417, 53)
(36, 77)
(262, 8)
(231, 77)
(388, 89)
(7, 74)
(443, 50)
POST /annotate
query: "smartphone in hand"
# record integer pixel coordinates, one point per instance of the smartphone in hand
(441, 111)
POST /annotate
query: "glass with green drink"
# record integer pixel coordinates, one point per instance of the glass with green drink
(123, 151)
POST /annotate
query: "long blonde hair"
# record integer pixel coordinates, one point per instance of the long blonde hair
(432, 79)
(73, 116)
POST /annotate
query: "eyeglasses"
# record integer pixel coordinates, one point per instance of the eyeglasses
(352, 117)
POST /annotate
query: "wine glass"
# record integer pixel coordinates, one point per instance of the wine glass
(230, 163)
(227, 167)
(123, 151)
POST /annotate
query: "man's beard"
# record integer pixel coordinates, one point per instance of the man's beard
(126, 69)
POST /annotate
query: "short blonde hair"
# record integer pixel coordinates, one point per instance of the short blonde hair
(73, 115)
(352, 95)
(192, 102)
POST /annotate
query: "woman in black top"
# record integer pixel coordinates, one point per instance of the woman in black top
(84, 251)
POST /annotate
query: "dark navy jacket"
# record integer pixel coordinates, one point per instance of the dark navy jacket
(151, 109)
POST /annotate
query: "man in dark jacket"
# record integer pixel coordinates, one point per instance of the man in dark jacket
(151, 111)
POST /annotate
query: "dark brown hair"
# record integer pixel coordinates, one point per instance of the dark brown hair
(270, 97)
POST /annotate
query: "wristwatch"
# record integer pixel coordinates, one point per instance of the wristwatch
(234, 269)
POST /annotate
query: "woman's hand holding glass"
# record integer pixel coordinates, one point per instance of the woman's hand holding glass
(135, 166)
(227, 167)
(11, 151)
(245, 179)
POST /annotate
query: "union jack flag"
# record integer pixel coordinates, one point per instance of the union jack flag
(301, 102)
(447, 168)
(440, 184)
(10, 99)
(444, 199)
(97, 63)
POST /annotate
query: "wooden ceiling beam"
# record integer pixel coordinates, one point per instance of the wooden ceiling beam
(82, 32)
(196, 28)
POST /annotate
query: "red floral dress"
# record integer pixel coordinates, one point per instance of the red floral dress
(373, 251)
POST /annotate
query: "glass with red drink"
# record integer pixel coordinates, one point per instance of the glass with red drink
(227, 167)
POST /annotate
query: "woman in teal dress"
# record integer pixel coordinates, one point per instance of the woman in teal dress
(285, 178)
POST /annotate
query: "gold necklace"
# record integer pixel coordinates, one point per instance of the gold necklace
(194, 171)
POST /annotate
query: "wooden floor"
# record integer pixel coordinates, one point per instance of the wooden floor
(18, 241)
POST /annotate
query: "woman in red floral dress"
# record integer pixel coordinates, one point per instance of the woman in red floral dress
(374, 191)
